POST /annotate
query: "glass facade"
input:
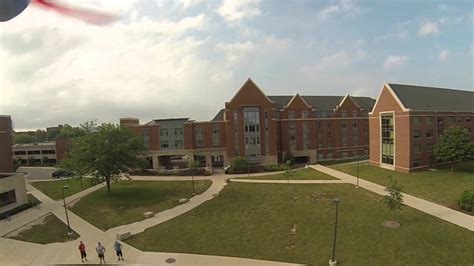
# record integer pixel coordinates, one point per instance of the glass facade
(252, 131)
(388, 137)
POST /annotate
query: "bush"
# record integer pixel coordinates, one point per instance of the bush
(276, 167)
(466, 202)
(240, 164)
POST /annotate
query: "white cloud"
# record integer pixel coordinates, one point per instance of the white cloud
(235, 10)
(342, 6)
(335, 60)
(428, 28)
(444, 55)
(395, 61)
(188, 3)
(471, 51)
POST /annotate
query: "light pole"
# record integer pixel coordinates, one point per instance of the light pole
(333, 261)
(65, 209)
(358, 159)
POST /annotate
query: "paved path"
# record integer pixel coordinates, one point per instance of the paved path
(275, 181)
(447, 214)
(19, 252)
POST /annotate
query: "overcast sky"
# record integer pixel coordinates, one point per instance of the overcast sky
(185, 58)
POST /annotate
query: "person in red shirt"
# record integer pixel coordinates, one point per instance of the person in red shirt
(82, 249)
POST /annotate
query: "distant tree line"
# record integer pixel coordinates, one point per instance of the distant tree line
(65, 131)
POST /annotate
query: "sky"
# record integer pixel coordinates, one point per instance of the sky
(186, 58)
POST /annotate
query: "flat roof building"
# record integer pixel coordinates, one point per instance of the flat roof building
(408, 120)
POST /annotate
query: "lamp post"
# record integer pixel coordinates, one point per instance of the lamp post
(333, 261)
(358, 160)
(65, 209)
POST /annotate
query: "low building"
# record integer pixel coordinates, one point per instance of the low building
(6, 131)
(264, 129)
(408, 120)
(40, 153)
(12, 191)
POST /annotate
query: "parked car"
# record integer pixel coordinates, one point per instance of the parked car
(61, 174)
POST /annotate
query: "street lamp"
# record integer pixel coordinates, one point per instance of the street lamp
(333, 261)
(358, 160)
(65, 209)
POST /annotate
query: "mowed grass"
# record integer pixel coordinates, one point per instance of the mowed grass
(254, 221)
(53, 189)
(297, 174)
(52, 230)
(128, 200)
(442, 186)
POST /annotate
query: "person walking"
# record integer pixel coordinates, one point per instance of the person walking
(101, 252)
(82, 249)
(118, 250)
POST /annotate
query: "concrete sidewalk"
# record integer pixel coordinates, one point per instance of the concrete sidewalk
(269, 181)
(444, 213)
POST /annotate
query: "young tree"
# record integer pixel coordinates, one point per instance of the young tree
(105, 153)
(288, 173)
(193, 170)
(454, 146)
(394, 199)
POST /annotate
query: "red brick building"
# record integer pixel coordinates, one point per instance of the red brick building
(407, 121)
(264, 129)
(6, 131)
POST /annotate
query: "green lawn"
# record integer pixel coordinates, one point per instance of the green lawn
(254, 221)
(298, 174)
(53, 188)
(440, 186)
(128, 201)
(50, 231)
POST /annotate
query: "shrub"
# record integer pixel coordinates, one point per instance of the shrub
(466, 201)
(240, 164)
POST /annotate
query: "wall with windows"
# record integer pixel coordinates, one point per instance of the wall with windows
(12, 191)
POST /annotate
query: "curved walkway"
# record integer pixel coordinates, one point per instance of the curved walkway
(270, 181)
(19, 252)
(444, 213)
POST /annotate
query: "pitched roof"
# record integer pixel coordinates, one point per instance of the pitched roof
(219, 116)
(323, 102)
(420, 98)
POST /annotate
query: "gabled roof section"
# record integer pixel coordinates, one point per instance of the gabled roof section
(219, 116)
(347, 97)
(422, 98)
(250, 83)
(297, 96)
(280, 100)
(322, 102)
(366, 103)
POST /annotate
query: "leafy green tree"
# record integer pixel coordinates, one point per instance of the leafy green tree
(394, 199)
(52, 134)
(193, 170)
(70, 132)
(454, 146)
(23, 138)
(288, 174)
(105, 153)
(40, 135)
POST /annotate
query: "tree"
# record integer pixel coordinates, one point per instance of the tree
(454, 146)
(394, 199)
(23, 138)
(105, 153)
(70, 132)
(193, 170)
(288, 173)
(240, 164)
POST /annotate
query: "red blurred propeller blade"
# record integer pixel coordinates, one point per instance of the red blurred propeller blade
(86, 15)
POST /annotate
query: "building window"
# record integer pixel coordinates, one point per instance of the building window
(354, 113)
(416, 120)
(329, 124)
(343, 113)
(291, 114)
(450, 119)
(164, 144)
(429, 120)
(344, 139)
(329, 156)
(178, 131)
(178, 144)
(48, 152)
(329, 135)
(199, 136)
(305, 135)
(429, 147)
(388, 137)
(163, 132)
(354, 125)
(468, 119)
(252, 131)
(417, 163)
(7, 198)
(355, 138)
(429, 133)
(20, 153)
(34, 152)
(459, 119)
(305, 114)
(417, 134)
(344, 154)
(417, 149)
(216, 135)
(146, 137)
